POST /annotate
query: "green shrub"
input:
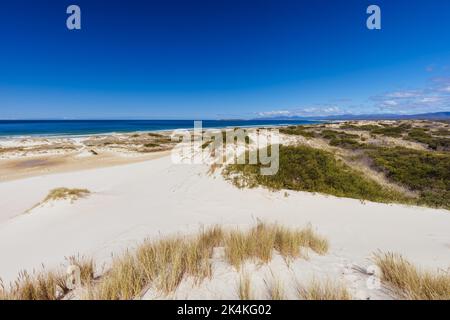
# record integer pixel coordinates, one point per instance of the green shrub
(298, 131)
(389, 131)
(341, 139)
(435, 143)
(442, 132)
(151, 145)
(364, 127)
(425, 172)
(308, 169)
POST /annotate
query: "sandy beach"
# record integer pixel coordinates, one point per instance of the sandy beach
(153, 197)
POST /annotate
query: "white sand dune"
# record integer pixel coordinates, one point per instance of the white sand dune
(149, 199)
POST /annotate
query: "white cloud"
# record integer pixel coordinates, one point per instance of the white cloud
(316, 110)
(274, 113)
(403, 94)
(391, 103)
(446, 89)
(435, 97)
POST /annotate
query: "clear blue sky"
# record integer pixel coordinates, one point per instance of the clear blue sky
(212, 59)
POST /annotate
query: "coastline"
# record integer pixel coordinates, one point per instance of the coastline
(156, 198)
(23, 157)
(169, 126)
(136, 193)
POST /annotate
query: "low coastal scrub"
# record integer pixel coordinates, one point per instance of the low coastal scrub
(427, 173)
(409, 282)
(392, 131)
(341, 139)
(303, 168)
(297, 131)
(422, 136)
(364, 127)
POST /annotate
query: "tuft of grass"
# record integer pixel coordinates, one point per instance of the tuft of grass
(39, 286)
(123, 281)
(162, 264)
(260, 241)
(66, 193)
(245, 287)
(87, 268)
(62, 194)
(46, 285)
(325, 290)
(409, 282)
(236, 250)
(275, 289)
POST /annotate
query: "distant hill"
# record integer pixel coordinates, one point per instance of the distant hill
(385, 116)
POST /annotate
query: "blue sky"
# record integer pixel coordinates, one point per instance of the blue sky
(203, 59)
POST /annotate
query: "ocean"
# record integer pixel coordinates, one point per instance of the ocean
(12, 128)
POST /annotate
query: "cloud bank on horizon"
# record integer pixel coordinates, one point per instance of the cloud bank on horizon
(435, 97)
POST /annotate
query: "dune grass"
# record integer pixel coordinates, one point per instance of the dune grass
(66, 193)
(275, 289)
(41, 286)
(323, 290)
(163, 264)
(245, 287)
(259, 243)
(62, 194)
(46, 285)
(409, 282)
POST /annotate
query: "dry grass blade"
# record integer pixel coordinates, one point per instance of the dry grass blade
(40, 286)
(87, 268)
(409, 282)
(123, 281)
(245, 287)
(259, 242)
(326, 290)
(275, 289)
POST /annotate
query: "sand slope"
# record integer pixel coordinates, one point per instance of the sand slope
(153, 198)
